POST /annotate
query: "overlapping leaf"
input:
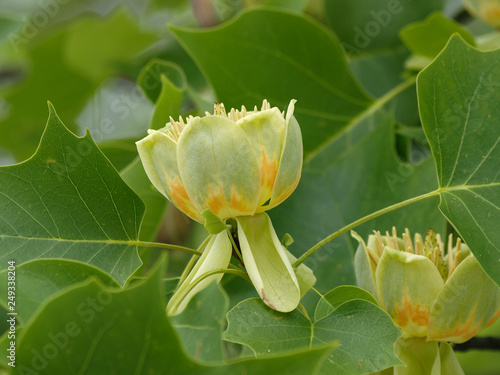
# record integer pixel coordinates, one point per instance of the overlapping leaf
(364, 333)
(67, 201)
(458, 99)
(98, 330)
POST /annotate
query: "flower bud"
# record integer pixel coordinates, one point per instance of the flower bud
(235, 164)
(428, 292)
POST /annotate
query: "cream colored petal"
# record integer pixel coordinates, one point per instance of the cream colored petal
(305, 275)
(216, 256)
(266, 132)
(408, 285)
(267, 264)
(469, 302)
(364, 267)
(449, 362)
(420, 357)
(219, 167)
(158, 154)
(290, 165)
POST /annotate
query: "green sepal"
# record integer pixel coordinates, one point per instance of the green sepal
(213, 224)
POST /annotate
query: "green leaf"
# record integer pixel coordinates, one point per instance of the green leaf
(267, 331)
(67, 201)
(150, 80)
(460, 116)
(96, 47)
(336, 297)
(42, 278)
(109, 331)
(135, 176)
(375, 26)
(246, 66)
(365, 333)
(200, 325)
(46, 78)
(429, 37)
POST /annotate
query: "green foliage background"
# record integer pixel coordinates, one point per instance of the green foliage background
(76, 213)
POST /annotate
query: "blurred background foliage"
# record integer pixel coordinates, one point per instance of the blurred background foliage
(116, 69)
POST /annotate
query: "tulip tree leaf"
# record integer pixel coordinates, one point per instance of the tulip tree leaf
(245, 66)
(46, 80)
(200, 325)
(67, 201)
(429, 37)
(135, 176)
(112, 331)
(334, 298)
(461, 120)
(40, 279)
(366, 334)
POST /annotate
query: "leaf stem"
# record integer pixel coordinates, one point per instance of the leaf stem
(161, 246)
(363, 220)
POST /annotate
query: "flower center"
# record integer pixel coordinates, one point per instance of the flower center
(235, 114)
(432, 247)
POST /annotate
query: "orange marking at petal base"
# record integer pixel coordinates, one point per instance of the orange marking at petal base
(216, 201)
(494, 319)
(462, 332)
(409, 313)
(287, 192)
(268, 172)
(181, 199)
(239, 204)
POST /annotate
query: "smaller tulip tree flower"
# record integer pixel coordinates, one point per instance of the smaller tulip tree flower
(233, 166)
(487, 10)
(434, 296)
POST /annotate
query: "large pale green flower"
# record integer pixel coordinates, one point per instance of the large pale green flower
(434, 295)
(488, 10)
(232, 165)
(235, 164)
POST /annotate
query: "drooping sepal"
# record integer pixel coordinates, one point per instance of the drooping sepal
(267, 264)
(216, 255)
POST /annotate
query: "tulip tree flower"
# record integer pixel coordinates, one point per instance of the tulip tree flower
(487, 10)
(232, 166)
(434, 296)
